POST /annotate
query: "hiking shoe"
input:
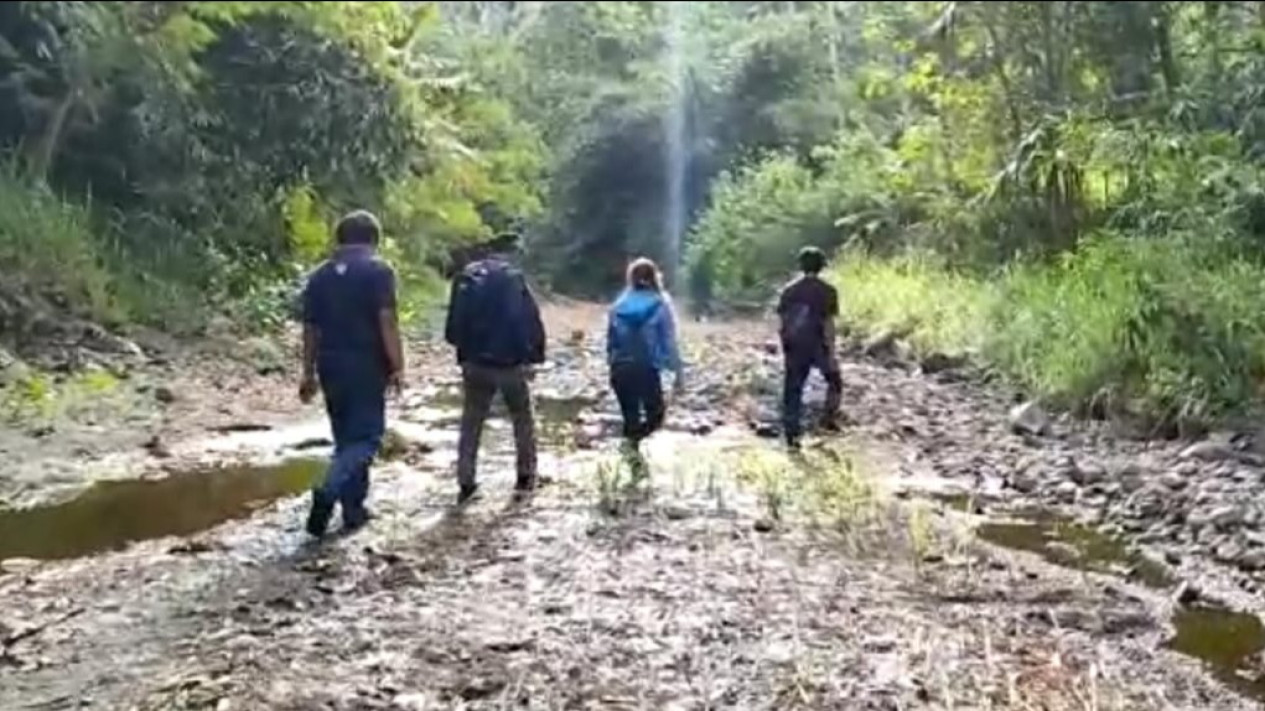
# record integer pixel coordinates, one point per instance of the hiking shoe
(356, 519)
(467, 493)
(318, 516)
(793, 443)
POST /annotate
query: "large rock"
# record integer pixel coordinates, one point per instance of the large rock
(939, 362)
(1029, 418)
(1085, 474)
(1209, 451)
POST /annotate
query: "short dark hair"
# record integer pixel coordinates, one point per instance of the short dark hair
(504, 242)
(811, 260)
(358, 227)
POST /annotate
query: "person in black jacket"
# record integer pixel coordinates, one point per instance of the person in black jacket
(494, 323)
(807, 308)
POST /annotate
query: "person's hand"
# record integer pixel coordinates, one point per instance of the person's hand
(529, 373)
(395, 384)
(307, 388)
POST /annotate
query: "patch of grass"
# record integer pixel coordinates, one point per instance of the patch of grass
(1157, 327)
(942, 311)
(37, 398)
(48, 246)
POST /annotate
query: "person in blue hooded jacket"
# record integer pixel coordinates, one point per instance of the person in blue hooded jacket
(641, 343)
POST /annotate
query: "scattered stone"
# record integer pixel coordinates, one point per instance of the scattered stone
(676, 512)
(767, 430)
(884, 344)
(1226, 516)
(880, 645)
(18, 566)
(1208, 452)
(314, 443)
(1187, 593)
(764, 525)
(1253, 559)
(1066, 491)
(164, 395)
(1063, 551)
(157, 448)
(1173, 480)
(1086, 474)
(1029, 418)
(1025, 482)
(1228, 551)
(192, 547)
(935, 362)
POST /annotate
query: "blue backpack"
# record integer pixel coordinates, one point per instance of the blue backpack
(632, 339)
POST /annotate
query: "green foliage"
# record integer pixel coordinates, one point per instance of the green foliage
(210, 145)
(1156, 327)
(48, 247)
(307, 224)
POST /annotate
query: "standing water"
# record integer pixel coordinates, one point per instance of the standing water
(674, 135)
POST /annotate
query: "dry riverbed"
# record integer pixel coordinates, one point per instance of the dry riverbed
(896, 567)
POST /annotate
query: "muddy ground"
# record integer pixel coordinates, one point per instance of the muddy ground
(930, 557)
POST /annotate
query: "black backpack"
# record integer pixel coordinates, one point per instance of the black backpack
(801, 328)
(489, 314)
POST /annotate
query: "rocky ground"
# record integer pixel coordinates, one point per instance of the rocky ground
(891, 568)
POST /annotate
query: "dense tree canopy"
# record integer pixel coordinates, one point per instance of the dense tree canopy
(199, 150)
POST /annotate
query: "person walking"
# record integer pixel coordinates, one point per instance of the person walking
(807, 308)
(494, 323)
(352, 354)
(641, 343)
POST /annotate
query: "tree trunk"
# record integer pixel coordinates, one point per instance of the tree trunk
(1164, 48)
(999, 67)
(46, 147)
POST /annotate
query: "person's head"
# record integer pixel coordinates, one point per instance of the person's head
(360, 227)
(811, 260)
(644, 274)
(505, 243)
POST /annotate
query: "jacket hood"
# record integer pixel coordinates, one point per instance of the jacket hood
(637, 305)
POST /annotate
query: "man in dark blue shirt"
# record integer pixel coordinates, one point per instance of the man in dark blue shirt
(351, 342)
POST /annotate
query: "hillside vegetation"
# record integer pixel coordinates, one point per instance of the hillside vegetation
(1068, 191)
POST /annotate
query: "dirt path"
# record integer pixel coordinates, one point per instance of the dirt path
(735, 577)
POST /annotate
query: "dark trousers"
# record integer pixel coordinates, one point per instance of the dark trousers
(640, 394)
(798, 367)
(357, 417)
(480, 385)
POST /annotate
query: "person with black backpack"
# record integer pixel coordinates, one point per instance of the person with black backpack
(807, 308)
(641, 342)
(495, 325)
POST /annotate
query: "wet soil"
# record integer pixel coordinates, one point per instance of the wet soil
(704, 584)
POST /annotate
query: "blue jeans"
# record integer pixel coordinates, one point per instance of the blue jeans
(357, 417)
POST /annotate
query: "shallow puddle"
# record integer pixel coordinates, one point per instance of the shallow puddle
(1230, 643)
(1075, 545)
(111, 514)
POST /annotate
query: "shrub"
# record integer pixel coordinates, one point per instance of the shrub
(1155, 326)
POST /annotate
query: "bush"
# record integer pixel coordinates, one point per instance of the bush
(48, 247)
(759, 218)
(1152, 326)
